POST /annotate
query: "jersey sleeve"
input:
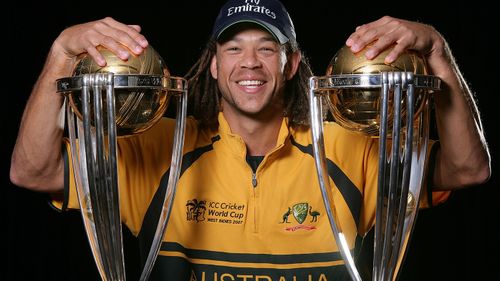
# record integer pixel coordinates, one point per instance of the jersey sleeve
(68, 198)
(430, 198)
(369, 187)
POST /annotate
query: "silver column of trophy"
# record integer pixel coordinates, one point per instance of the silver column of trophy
(105, 103)
(390, 103)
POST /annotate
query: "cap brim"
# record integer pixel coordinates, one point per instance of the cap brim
(280, 37)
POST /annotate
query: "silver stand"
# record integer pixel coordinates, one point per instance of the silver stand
(403, 140)
(93, 140)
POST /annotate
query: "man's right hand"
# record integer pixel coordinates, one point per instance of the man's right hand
(36, 162)
(117, 37)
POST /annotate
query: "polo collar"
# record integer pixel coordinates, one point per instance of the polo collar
(236, 143)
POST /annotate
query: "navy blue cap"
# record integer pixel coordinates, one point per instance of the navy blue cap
(270, 14)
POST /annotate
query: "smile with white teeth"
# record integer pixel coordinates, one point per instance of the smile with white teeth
(250, 83)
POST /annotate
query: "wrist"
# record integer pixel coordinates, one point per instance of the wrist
(440, 60)
(59, 63)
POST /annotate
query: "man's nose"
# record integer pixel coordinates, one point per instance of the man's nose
(250, 59)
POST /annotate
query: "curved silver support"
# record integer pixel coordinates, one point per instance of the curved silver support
(324, 182)
(94, 162)
(395, 218)
(402, 159)
(382, 175)
(81, 178)
(93, 141)
(175, 170)
(397, 189)
(402, 199)
(417, 159)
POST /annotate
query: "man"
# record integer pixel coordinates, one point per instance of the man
(247, 150)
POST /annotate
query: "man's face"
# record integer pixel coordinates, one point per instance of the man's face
(250, 72)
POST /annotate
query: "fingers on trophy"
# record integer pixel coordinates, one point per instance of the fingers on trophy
(118, 100)
(389, 102)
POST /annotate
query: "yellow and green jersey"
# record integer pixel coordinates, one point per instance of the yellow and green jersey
(229, 223)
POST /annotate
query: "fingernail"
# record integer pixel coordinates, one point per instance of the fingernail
(123, 55)
(370, 54)
(348, 42)
(143, 42)
(389, 59)
(138, 49)
(101, 62)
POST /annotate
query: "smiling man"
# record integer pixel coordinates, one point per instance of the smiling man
(248, 205)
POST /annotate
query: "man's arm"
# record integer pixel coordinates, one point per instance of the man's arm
(463, 158)
(36, 160)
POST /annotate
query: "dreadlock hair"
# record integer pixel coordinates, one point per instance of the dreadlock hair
(204, 94)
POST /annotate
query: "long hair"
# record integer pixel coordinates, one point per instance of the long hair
(204, 95)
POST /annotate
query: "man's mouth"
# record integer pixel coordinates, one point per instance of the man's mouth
(250, 83)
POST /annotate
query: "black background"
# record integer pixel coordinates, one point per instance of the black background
(454, 241)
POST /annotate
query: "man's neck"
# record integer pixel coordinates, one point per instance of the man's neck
(260, 136)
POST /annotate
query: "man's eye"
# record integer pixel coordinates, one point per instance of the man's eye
(267, 50)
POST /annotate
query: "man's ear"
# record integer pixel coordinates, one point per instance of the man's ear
(292, 65)
(213, 67)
